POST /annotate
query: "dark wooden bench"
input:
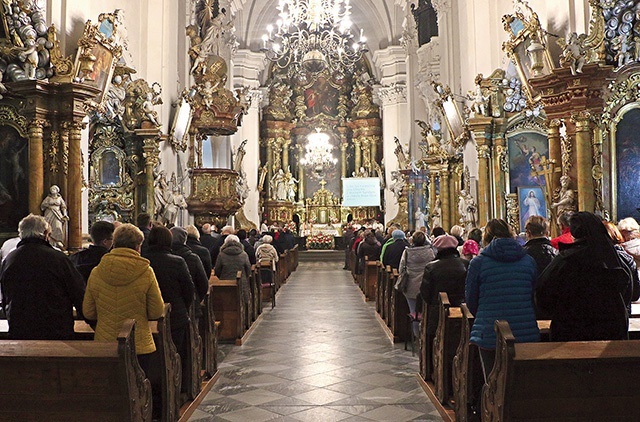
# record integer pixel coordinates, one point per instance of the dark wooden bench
(398, 311)
(210, 338)
(370, 278)
(444, 347)
(380, 285)
(577, 381)
(55, 380)
(229, 308)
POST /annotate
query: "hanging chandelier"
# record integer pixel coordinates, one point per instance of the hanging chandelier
(318, 153)
(312, 35)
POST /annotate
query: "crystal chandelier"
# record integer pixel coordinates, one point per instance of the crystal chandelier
(318, 156)
(312, 35)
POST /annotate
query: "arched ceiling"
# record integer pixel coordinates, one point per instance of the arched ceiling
(381, 21)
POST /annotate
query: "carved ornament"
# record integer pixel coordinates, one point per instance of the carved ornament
(393, 94)
(62, 66)
(9, 116)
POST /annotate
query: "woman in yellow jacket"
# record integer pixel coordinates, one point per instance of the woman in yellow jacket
(124, 286)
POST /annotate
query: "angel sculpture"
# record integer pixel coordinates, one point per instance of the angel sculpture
(573, 54)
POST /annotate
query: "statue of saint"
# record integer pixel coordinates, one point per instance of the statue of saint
(419, 216)
(278, 185)
(55, 212)
(436, 215)
(567, 200)
(175, 203)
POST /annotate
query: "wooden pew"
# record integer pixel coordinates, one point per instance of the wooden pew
(370, 280)
(398, 311)
(210, 340)
(380, 285)
(578, 381)
(57, 380)
(467, 371)
(353, 264)
(425, 351)
(267, 288)
(390, 280)
(282, 268)
(229, 308)
(295, 251)
(192, 378)
(444, 347)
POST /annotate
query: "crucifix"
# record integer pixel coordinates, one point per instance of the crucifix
(546, 168)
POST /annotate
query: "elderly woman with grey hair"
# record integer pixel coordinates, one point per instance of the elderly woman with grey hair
(232, 259)
(266, 251)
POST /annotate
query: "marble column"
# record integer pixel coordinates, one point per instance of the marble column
(285, 153)
(270, 166)
(343, 159)
(584, 161)
(36, 166)
(74, 185)
(366, 155)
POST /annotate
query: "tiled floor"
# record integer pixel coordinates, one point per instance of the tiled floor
(320, 355)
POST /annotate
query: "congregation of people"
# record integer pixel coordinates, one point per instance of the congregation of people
(583, 280)
(127, 272)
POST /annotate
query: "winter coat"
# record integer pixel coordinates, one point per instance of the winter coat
(87, 259)
(584, 299)
(565, 238)
(202, 252)
(632, 247)
(267, 252)
(233, 258)
(196, 269)
(393, 253)
(368, 248)
(499, 286)
(40, 287)
(175, 283)
(632, 293)
(207, 241)
(250, 250)
(123, 286)
(541, 251)
(446, 274)
(412, 264)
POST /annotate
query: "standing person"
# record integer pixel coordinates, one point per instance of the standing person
(206, 238)
(412, 263)
(196, 269)
(446, 273)
(583, 287)
(40, 286)
(565, 238)
(369, 249)
(628, 263)
(102, 237)
(175, 284)
(251, 252)
(215, 249)
(499, 286)
(123, 286)
(470, 249)
(395, 249)
(143, 221)
(266, 251)
(193, 243)
(232, 259)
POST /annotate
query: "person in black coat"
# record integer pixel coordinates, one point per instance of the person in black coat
(175, 284)
(196, 269)
(219, 241)
(87, 259)
(583, 287)
(250, 250)
(393, 252)
(193, 242)
(143, 222)
(369, 248)
(206, 238)
(40, 286)
(538, 245)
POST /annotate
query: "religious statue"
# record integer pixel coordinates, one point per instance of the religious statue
(290, 182)
(479, 103)
(55, 212)
(278, 186)
(419, 216)
(175, 203)
(161, 189)
(468, 209)
(403, 162)
(397, 184)
(567, 199)
(573, 54)
(436, 214)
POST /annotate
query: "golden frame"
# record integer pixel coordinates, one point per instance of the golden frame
(523, 30)
(97, 56)
(453, 118)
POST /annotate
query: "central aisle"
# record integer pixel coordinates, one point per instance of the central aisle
(320, 355)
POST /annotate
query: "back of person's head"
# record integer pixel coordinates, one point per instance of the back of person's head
(227, 230)
(629, 228)
(536, 226)
(160, 236)
(398, 235)
(101, 231)
(128, 236)
(231, 238)
(253, 232)
(206, 228)
(475, 234)
(456, 231)
(614, 233)
(179, 235)
(267, 238)
(587, 228)
(143, 220)
(438, 231)
(33, 226)
(242, 234)
(564, 218)
(497, 228)
(192, 231)
(418, 238)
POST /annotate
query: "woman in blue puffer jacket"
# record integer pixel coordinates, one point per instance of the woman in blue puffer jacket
(499, 286)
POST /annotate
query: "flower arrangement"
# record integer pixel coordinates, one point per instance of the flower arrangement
(320, 241)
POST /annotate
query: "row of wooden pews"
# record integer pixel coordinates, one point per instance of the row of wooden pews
(83, 380)
(530, 381)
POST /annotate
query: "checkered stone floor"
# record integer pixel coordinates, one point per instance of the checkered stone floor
(320, 355)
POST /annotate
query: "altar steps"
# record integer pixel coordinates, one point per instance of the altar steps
(321, 256)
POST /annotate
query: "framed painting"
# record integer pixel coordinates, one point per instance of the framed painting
(526, 151)
(452, 116)
(627, 171)
(179, 134)
(531, 202)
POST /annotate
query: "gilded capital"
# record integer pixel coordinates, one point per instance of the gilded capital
(483, 151)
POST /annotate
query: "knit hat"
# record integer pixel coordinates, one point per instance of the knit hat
(398, 234)
(179, 235)
(445, 241)
(470, 247)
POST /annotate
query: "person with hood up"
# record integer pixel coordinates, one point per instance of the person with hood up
(369, 248)
(233, 258)
(583, 287)
(499, 286)
(412, 263)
